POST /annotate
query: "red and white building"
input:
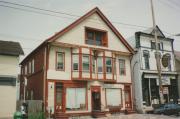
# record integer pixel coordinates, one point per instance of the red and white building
(82, 69)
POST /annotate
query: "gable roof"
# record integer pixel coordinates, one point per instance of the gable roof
(81, 19)
(10, 48)
(151, 31)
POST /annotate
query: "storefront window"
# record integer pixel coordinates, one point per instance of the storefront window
(75, 99)
(113, 97)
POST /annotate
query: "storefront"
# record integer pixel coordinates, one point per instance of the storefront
(150, 89)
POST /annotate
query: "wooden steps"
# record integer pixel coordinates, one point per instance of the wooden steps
(98, 114)
(61, 115)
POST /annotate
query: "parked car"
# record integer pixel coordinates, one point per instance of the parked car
(168, 109)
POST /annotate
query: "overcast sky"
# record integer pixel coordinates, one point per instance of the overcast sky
(31, 26)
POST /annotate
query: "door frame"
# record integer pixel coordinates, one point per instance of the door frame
(93, 89)
(128, 89)
(62, 100)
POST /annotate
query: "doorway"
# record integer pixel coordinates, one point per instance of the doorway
(58, 97)
(96, 98)
(127, 95)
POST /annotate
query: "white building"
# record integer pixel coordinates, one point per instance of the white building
(144, 70)
(9, 62)
(82, 70)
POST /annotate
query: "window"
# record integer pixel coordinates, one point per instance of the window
(29, 68)
(33, 66)
(96, 37)
(100, 64)
(146, 59)
(85, 63)
(160, 45)
(153, 45)
(122, 70)
(25, 72)
(93, 64)
(169, 62)
(75, 62)
(108, 65)
(75, 99)
(116, 94)
(60, 61)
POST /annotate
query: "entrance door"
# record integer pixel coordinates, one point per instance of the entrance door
(166, 94)
(127, 94)
(58, 97)
(96, 98)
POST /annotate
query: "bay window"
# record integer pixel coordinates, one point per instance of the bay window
(116, 93)
(85, 62)
(75, 62)
(75, 99)
(109, 65)
(60, 61)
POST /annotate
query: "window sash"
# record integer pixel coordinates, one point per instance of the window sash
(29, 68)
(75, 99)
(116, 93)
(109, 65)
(100, 64)
(85, 63)
(60, 61)
(122, 67)
(75, 62)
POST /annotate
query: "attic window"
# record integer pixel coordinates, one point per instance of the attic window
(96, 37)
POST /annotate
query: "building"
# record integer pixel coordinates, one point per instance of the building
(82, 69)
(9, 70)
(177, 64)
(144, 70)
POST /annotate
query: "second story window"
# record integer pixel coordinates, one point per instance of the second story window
(33, 66)
(29, 68)
(100, 64)
(122, 70)
(160, 45)
(85, 60)
(146, 59)
(108, 65)
(75, 62)
(25, 70)
(60, 61)
(96, 37)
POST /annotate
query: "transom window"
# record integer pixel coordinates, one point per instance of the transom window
(96, 37)
(122, 69)
(60, 61)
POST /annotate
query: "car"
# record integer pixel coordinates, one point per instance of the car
(168, 109)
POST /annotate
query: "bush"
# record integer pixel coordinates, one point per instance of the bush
(38, 115)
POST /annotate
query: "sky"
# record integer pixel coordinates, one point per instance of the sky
(31, 26)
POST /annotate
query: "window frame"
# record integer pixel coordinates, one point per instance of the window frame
(63, 54)
(120, 97)
(75, 54)
(104, 37)
(86, 98)
(123, 68)
(109, 65)
(32, 66)
(85, 55)
(146, 53)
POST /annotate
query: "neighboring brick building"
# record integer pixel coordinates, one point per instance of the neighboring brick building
(83, 69)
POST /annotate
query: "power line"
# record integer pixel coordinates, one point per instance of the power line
(57, 12)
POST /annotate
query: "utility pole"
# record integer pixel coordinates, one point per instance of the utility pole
(157, 56)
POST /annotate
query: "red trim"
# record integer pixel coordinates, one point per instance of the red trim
(90, 52)
(104, 65)
(80, 63)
